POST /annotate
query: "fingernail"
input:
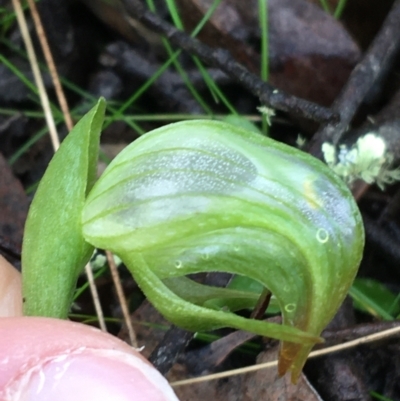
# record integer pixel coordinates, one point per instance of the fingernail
(91, 375)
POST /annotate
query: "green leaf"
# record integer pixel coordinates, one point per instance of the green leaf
(204, 196)
(380, 396)
(375, 298)
(54, 250)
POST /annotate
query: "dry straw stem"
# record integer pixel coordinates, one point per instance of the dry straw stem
(23, 26)
(335, 348)
(95, 297)
(50, 63)
(121, 298)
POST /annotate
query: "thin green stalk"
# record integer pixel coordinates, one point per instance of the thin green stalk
(9, 16)
(263, 13)
(339, 9)
(79, 291)
(216, 92)
(142, 89)
(87, 319)
(176, 63)
(380, 396)
(131, 123)
(369, 304)
(214, 89)
(173, 10)
(394, 305)
(155, 76)
(15, 70)
(18, 73)
(42, 132)
(179, 116)
(325, 6)
(77, 115)
(32, 188)
(186, 80)
(56, 111)
(205, 18)
(67, 84)
(26, 113)
(31, 141)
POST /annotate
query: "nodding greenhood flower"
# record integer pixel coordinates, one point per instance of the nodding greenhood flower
(206, 196)
(367, 160)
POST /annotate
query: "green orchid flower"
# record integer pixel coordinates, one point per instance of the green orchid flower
(205, 196)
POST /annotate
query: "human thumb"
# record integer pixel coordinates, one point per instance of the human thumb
(44, 359)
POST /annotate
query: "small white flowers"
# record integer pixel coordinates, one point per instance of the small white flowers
(267, 112)
(367, 159)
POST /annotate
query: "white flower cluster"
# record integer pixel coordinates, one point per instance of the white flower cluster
(367, 160)
(267, 112)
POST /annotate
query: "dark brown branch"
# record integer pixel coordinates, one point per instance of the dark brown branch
(373, 65)
(223, 60)
(171, 346)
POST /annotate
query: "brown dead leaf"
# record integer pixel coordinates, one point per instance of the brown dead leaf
(111, 12)
(212, 355)
(209, 357)
(225, 29)
(279, 388)
(362, 29)
(264, 385)
(311, 53)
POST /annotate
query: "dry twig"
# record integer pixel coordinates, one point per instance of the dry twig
(23, 26)
(50, 63)
(121, 298)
